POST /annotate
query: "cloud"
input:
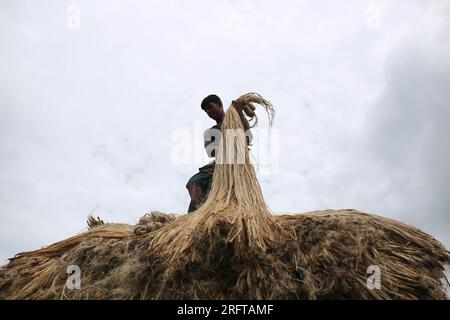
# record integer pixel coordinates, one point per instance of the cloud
(407, 128)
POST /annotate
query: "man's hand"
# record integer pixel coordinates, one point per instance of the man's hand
(238, 105)
(239, 108)
(248, 109)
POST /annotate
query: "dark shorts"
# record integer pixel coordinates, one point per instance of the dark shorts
(203, 177)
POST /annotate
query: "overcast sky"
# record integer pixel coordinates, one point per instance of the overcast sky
(91, 106)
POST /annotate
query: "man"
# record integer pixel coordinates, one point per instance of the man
(200, 183)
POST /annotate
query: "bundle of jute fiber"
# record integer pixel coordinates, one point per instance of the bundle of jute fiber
(111, 257)
(41, 274)
(326, 254)
(234, 220)
(232, 247)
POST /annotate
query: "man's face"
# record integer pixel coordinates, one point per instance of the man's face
(214, 111)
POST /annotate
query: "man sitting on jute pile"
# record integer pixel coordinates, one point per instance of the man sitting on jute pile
(200, 183)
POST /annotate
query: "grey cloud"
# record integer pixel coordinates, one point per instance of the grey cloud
(408, 130)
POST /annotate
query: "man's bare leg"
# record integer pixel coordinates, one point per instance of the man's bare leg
(196, 194)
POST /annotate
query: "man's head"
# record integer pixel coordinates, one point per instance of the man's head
(212, 105)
